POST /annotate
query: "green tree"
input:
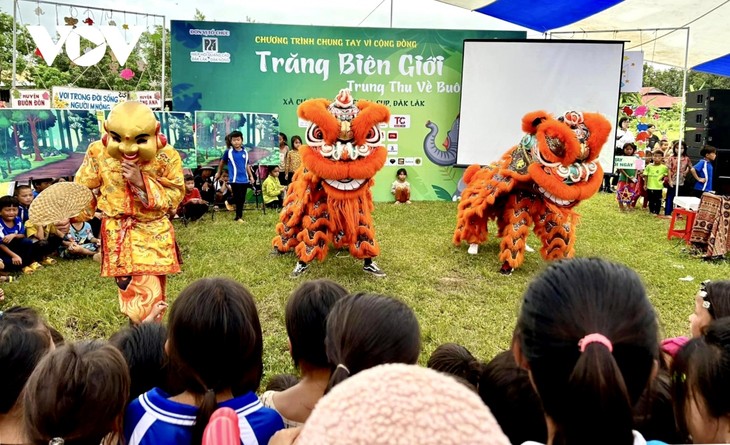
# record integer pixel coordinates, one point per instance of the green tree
(670, 80)
(25, 45)
(199, 15)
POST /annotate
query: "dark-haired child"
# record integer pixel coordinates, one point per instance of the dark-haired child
(24, 193)
(456, 360)
(703, 171)
(215, 348)
(387, 331)
(506, 389)
(77, 395)
(272, 189)
(700, 379)
(279, 383)
(627, 191)
(400, 188)
(16, 251)
(79, 242)
(192, 206)
(587, 336)
(306, 325)
(143, 348)
(239, 170)
(655, 175)
(24, 340)
(204, 183)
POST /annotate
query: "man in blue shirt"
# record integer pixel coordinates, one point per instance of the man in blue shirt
(239, 171)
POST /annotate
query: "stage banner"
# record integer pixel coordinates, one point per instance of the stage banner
(274, 68)
(52, 143)
(30, 99)
(86, 99)
(260, 134)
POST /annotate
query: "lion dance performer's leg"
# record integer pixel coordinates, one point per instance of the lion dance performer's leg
(316, 234)
(363, 244)
(556, 229)
(514, 226)
(139, 294)
(292, 213)
(484, 185)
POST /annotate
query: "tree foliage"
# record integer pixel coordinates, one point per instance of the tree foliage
(670, 80)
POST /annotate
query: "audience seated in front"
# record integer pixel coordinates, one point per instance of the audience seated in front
(306, 326)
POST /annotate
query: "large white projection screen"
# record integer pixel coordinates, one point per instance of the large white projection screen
(504, 80)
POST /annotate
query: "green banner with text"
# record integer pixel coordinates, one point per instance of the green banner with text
(273, 68)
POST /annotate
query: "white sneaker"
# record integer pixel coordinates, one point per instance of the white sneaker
(529, 249)
(473, 249)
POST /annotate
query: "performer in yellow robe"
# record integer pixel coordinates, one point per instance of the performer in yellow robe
(139, 180)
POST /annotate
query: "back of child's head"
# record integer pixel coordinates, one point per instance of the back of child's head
(366, 330)
(717, 294)
(77, 393)
(281, 382)
(456, 360)
(215, 343)
(8, 201)
(506, 389)
(143, 348)
(701, 380)
(654, 413)
(24, 340)
(707, 150)
(589, 336)
(306, 320)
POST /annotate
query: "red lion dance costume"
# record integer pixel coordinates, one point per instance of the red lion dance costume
(329, 199)
(537, 182)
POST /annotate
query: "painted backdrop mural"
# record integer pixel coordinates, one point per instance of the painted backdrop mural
(273, 68)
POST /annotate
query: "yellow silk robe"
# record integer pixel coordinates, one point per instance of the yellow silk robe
(137, 237)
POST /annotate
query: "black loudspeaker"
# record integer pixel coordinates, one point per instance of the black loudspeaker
(707, 118)
(718, 137)
(707, 99)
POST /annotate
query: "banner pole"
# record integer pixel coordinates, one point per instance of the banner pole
(15, 42)
(164, 46)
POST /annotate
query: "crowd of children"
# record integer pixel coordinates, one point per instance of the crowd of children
(665, 169)
(585, 366)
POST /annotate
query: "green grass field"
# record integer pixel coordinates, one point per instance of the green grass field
(457, 297)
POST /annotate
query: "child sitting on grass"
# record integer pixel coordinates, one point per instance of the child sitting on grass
(192, 206)
(79, 241)
(401, 189)
(16, 251)
(24, 193)
(272, 189)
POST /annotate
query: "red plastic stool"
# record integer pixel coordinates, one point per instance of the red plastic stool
(685, 231)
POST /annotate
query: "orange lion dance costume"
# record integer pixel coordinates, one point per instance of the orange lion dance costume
(329, 200)
(140, 180)
(536, 183)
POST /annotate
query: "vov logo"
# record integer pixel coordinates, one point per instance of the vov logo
(101, 36)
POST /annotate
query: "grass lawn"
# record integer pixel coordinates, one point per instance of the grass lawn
(457, 297)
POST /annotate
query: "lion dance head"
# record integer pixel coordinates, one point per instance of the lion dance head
(343, 142)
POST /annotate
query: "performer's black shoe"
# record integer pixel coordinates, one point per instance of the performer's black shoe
(299, 269)
(373, 270)
(506, 269)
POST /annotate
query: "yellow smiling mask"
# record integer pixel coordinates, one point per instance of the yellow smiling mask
(132, 133)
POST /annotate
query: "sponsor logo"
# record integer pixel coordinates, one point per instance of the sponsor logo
(400, 121)
(392, 149)
(393, 136)
(210, 52)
